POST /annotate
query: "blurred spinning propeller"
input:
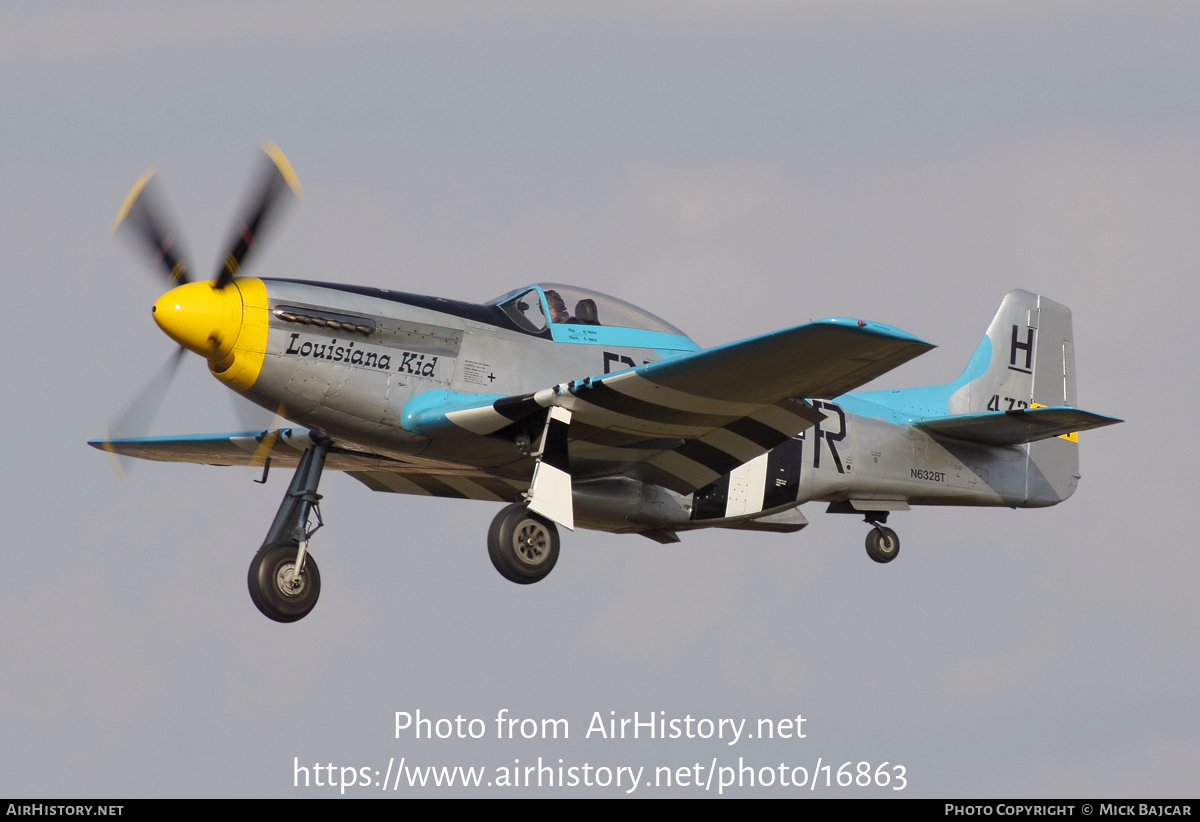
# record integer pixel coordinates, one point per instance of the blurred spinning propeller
(145, 219)
(277, 179)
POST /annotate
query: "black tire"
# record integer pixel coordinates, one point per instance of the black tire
(268, 574)
(882, 544)
(522, 545)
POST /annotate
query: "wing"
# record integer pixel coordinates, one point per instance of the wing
(1017, 426)
(284, 447)
(452, 486)
(684, 422)
(680, 423)
(409, 475)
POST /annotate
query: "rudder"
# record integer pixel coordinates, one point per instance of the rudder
(1026, 360)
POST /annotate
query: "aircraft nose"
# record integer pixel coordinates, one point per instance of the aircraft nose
(201, 318)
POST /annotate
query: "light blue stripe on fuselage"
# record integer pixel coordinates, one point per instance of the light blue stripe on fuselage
(902, 406)
(580, 334)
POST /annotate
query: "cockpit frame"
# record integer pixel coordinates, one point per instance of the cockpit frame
(597, 319)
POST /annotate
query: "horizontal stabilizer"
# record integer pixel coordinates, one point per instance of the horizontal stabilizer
(1015, 427)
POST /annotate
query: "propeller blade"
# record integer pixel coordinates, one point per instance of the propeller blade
(144, 217)
(256, 418)
(262, 454)
(277, 180)
(250, 417)
(139, 416)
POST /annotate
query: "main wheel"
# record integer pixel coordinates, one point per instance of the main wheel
(523, 545)
(276, 589)
(882, 544)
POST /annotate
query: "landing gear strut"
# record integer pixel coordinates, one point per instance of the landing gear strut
(523, 545)
(284, 581)
(882, 543)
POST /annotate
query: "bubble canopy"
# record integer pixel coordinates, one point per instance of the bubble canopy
(582, 316)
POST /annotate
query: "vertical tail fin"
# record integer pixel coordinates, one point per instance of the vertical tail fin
(1027, 358)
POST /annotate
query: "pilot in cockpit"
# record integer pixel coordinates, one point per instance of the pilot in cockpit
(558, 307)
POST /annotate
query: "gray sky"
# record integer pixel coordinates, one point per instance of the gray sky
(733, 167)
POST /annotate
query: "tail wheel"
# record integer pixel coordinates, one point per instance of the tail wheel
(522, 545)
(882, 544)
(276, 589)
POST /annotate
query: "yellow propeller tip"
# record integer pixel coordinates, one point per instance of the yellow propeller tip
(131, 198)
(285, 168)
(114, 457)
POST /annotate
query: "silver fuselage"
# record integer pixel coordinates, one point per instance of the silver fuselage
(355, 388)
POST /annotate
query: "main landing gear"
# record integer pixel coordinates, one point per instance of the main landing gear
(284, 581)
(882, 543)
(523, 545)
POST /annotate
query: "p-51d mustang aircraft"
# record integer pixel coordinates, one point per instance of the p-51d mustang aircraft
(579, 409)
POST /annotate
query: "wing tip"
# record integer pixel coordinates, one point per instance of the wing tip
(114, 456)
(875, 329)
